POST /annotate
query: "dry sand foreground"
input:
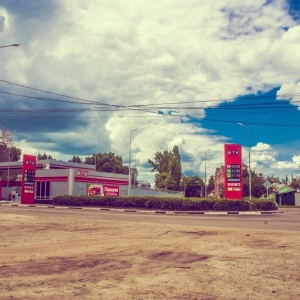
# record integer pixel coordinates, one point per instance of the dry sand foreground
(67, 259)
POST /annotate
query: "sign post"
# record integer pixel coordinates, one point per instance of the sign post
(28, 179)
(233, 171)
(267, 184)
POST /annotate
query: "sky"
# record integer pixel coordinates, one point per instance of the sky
(185, 73)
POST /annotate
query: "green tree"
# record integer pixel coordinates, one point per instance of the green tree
(165, 181)
(4, 152)
(107, 162)
(15, 154)
(7, 151)
(6, 137)
(193, 186)
(167, 162)
(257, 187)
(211, 185)
(176, 169)
(76, 159)
(295, 184)
(44, 156)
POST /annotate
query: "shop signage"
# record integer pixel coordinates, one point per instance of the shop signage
(95, 189)
(82, 173)
(111, 190)
(233, 171)
(28, 179)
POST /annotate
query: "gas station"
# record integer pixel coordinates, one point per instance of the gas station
(30, 179)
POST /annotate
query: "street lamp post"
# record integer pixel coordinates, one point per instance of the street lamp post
(129, 175)
(96, 153)
(135, 174)
(248, 130)
(12, 45)
(205, 175)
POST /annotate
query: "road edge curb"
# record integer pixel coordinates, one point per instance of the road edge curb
(146, 211)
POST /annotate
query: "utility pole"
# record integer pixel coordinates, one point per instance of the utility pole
(129, 173)
(249, 154)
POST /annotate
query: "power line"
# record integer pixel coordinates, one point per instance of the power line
(151, 108)
(279, 105)
(156, 105)
(83, 101)
(161, 116)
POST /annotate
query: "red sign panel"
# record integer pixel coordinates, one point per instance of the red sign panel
(110, 190)
(233, 171)
(28, 179)
(96, 189)
(82, 173)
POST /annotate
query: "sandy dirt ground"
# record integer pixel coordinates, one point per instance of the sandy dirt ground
(53, 258)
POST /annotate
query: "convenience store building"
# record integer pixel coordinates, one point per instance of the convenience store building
(52, 178)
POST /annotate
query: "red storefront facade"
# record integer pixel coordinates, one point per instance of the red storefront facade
(52, 178)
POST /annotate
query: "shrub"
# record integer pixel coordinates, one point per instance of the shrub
(263, 205)
(165, 203)
(230, 205)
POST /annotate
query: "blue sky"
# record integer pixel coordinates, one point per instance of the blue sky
(267, 118)
(180, 72)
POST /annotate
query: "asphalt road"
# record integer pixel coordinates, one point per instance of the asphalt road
(283, 219)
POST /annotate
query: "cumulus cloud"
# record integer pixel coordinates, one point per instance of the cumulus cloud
(296, 160)
(265, 159)
(2, 23)
(261, 147)
(290, 91)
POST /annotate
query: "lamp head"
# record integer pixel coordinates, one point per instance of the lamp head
(133, 131)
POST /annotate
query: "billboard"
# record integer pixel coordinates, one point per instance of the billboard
(110, 190)
(28, 179)
(96, 189)
(233, 171)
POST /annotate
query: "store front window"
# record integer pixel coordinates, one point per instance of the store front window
(42, 190)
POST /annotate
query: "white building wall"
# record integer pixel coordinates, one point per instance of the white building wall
(80, 189)
(58, 188)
